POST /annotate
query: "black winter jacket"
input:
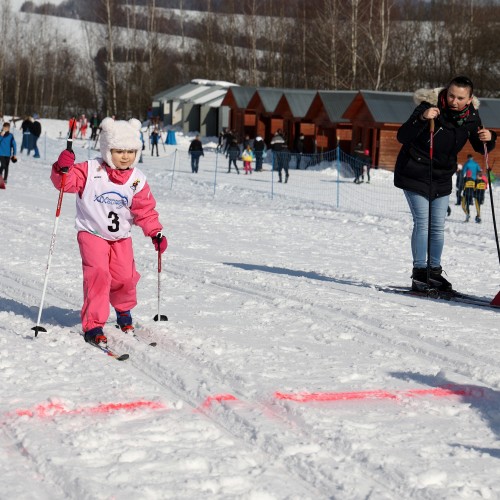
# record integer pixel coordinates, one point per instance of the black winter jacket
(413, 162)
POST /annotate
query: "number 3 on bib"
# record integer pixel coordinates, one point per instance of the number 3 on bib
(115, 222)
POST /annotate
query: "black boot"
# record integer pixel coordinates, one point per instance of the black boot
(419, 279)
(437, 277)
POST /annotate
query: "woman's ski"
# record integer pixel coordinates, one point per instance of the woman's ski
(450, 296)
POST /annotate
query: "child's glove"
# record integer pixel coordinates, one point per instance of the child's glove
(66, 160)
(160, 242)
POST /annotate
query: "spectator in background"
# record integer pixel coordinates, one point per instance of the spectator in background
(195, 150)
(228, 140)
(368, 165)
(259, 152)
(155, 139)
(73, 125)
(221, 142)
(233, 152)
(7, 150)
(359, 153)
(26, 142)
(94, 127)
(83, 124)
(299, 150)
(459, 184)
(36, 130)
(280, 158)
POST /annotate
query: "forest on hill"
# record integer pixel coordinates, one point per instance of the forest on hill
(112, 56)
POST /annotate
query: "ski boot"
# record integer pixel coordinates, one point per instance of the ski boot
(419, 280)
(95, 336)
(437, 277)
(124, 321)
(478, 219)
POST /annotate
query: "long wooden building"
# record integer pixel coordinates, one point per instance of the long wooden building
(327, 119)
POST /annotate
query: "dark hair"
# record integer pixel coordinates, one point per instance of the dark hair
(464, 82)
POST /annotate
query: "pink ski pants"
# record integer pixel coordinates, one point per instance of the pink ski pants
(109, 276)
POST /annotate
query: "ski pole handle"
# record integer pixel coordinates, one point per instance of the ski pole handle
(158, 240)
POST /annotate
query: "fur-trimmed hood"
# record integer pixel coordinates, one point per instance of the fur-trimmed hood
(431, 96)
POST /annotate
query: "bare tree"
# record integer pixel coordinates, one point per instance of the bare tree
(377, 30)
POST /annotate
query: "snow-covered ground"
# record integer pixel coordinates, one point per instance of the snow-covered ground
(282, 373)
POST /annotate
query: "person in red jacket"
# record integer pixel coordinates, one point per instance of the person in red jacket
(111, 196)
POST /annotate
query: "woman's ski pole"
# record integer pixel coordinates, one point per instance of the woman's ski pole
(158, 316)
(64, 171)
(431, 154)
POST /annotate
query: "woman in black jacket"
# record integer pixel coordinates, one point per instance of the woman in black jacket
(454, 111)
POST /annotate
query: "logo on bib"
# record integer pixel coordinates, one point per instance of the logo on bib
(112, 198)
(135, 184)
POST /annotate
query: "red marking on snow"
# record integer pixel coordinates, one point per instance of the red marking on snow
(219, 398)
(308, 397)
(49, 410)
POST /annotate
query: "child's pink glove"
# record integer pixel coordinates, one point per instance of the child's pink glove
(160, 242)
(66, 160)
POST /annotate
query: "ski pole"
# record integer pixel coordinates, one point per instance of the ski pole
(488, 169)
(431, 154)
(64, 171)
(158, 316)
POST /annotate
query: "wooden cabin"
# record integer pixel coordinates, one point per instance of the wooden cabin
(325, 112)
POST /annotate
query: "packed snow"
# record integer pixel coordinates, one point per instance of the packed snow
(281, 373)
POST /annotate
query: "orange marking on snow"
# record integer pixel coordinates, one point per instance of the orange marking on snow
(48, 410)
(308, 397)
(219, 398)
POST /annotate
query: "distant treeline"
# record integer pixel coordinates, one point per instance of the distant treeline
(396, 45)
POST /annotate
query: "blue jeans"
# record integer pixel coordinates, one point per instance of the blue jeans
(419, 207)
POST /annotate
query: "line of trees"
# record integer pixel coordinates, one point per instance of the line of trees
(128, 50)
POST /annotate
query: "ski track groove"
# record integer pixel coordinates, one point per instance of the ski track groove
(49, 472)
(412, 339)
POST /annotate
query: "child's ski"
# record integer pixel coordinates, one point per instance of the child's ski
(139, 338)
(2, 183)
(109, 352)
(450, 296)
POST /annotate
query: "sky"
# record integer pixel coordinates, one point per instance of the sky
(281, 373)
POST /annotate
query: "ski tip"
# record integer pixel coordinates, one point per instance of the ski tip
(162, 317)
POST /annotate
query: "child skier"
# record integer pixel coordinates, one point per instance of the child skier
(112, 194)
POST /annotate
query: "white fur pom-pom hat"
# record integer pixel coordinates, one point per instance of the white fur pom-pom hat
(120, 134)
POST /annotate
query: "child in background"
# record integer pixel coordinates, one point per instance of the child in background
(468, 194)
(481, 185)
(112, 195)
(247, 158)
(155, 138)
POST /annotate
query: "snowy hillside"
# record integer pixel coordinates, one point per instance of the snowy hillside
(282, 373)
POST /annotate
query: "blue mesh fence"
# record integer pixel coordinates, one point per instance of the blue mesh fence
(333, 178)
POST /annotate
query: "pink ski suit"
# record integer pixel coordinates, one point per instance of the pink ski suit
(108, 202)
